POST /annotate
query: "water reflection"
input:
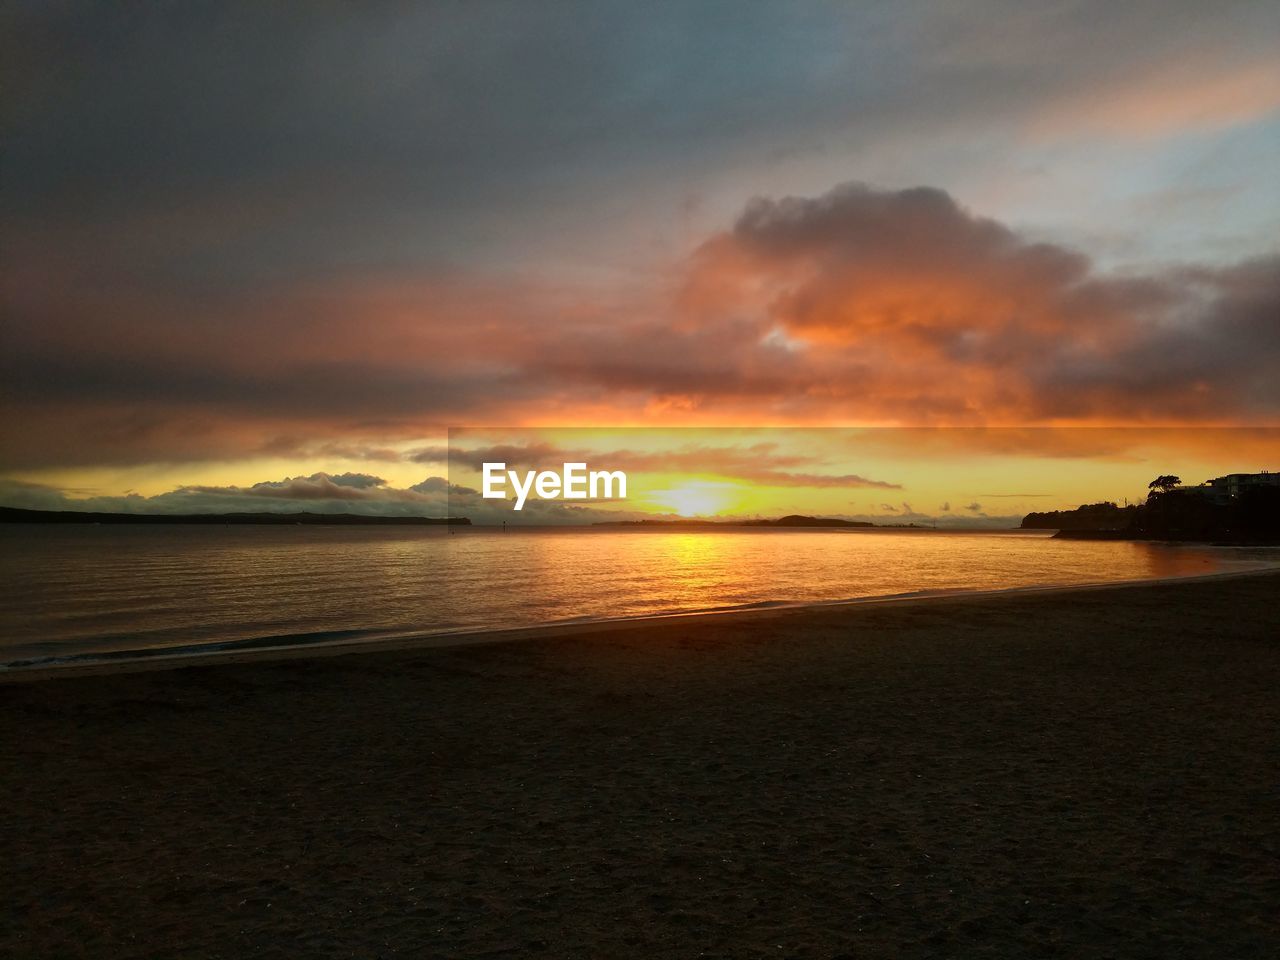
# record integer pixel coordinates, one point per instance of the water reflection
(71, 590)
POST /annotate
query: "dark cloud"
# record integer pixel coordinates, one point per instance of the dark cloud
(318, 486)
(433, 485)
(279, 140)
(276, 138)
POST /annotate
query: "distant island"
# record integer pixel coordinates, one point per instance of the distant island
(1240, 508)
(19, 515)
(793, 520)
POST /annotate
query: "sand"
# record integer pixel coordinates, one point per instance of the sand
(1088, 774)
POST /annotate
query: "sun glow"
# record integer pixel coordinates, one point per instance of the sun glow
(699, 498)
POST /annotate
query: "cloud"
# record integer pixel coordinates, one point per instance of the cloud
(942, 522)
(299, 447)
(438, 485)
(943, 519)
(317, 493)
(419, 132)
(320, 493)
(1175, 96)
(858, 305)
(364, 494)
(907, 305)
(34, 496)
(974, 507)
(423, 225)
(318, 486)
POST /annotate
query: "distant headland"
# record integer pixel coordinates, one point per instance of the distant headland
(792, 520)
(1239, 508)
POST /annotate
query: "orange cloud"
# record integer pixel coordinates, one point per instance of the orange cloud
(904, 306)
(856, 307)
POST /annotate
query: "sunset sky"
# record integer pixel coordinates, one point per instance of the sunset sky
(265, 256)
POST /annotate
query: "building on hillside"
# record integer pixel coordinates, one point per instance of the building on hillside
(1225, 489)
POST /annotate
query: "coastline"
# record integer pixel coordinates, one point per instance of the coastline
(1082, 772)
(255, 650)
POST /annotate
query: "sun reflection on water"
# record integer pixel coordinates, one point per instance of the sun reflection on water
(171, 586)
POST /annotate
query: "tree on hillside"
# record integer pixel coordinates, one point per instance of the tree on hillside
(1164, 483)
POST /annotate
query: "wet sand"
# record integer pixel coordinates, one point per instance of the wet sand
(1092, 773)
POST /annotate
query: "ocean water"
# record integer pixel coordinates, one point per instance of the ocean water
(88, 591)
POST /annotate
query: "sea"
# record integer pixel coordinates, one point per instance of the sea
(71, 593)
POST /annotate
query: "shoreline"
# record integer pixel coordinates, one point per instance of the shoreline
(1074, 772)
(247, 651)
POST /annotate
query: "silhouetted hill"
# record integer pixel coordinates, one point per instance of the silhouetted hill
(1090, 516)
(18, 515)
(1252, 517)
(796, 520)
(1181, 514)
(792, 520)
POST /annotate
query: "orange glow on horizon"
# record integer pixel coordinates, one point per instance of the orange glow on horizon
(697, 498)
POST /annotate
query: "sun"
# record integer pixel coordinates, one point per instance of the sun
(695, 499)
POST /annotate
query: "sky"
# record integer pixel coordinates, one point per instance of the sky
(268, 254)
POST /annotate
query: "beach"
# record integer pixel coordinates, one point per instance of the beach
(1071, 773)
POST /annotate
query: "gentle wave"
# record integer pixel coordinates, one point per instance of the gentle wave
(336, 638)
(105, 594)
